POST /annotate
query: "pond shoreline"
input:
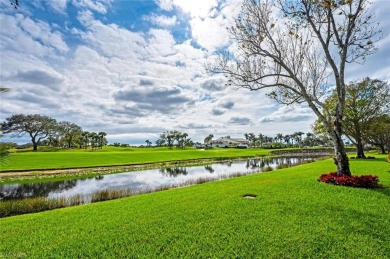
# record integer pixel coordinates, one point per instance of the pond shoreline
(102, 170)
(20, 175)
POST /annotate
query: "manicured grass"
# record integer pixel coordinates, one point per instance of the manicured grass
(293, 216)
(110, 156)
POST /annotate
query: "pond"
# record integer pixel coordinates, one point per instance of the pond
(144, 180)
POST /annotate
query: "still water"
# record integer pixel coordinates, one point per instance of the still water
(142, 180)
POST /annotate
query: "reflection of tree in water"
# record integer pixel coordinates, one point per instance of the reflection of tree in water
(228, 163)
(256, 163)
(209, 168)
(16, 191)
(175, 171)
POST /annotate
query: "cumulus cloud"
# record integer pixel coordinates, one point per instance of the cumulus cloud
(165, 4)
(161, 20)
(145, 82)
(99, 6)
(289, 114)
(240, 120)
(212, 85)
(136, 82)
(58, 5)
(217, 111)
(163, 100)
(45, 78)
(227, 105)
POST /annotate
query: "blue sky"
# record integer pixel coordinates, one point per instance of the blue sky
(135, 69)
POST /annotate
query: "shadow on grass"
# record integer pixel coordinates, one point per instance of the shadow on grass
(384, 190)
(369, 159)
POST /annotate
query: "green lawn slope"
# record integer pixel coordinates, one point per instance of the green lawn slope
(110, 156)
(293, 216)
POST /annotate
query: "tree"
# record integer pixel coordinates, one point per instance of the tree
(365, 101)
(85, 137)
(298, 137)
(94, 139)
(208, 139)
(292, 54)
(379, 133)
(36, 126)
(287, 138)
(69, 132)
(148, 143)
(102, 139)
(279, 137)
(160, 142)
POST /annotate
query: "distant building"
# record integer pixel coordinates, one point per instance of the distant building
(229, 142)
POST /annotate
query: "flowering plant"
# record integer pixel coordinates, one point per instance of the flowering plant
(363, 181)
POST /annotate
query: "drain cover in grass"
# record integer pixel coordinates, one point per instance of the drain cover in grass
(249, 196)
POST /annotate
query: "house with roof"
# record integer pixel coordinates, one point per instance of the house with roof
(229, 142)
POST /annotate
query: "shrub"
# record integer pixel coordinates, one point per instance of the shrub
(363, 181)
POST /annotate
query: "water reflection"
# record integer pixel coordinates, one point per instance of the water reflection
(18, 191)
(141, 180)
(174, 172)
(209, 169)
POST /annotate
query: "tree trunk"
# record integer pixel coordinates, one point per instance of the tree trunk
(34, 142)
(340, 159)
(382, 147)
(35, 146)
(360, 150)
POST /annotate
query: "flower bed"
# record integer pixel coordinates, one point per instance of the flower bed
(363, 181)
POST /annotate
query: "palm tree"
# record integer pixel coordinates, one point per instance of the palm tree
(94, 138)
(148, 143)
(85, 136)
(287, 139)
(208, 139)
(279, 137)
(261, 139)
(101, 135)
(298, 137)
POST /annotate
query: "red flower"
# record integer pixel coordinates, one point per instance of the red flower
(364, 181)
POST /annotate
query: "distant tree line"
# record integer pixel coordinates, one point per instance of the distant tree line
(295, 139)
(173, 139)
(46, 131)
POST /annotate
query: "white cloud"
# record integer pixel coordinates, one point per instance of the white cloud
(99, 6)
(58, 5)
(33, 37)
(208, 24)
(164, 4)
(41, 31)
(134, 85)
(289, 114)
(196, 8)
(161, 20)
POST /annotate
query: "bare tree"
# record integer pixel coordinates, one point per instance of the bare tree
(299, 50)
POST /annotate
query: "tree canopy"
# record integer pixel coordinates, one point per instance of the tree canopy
(46, 131)
(299, 50)
(366, 101)
(36, 126)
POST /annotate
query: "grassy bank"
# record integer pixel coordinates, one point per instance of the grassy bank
(110, 156)
(292, 216)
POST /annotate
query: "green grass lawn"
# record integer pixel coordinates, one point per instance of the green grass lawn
(114, 156)
(293, 216)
